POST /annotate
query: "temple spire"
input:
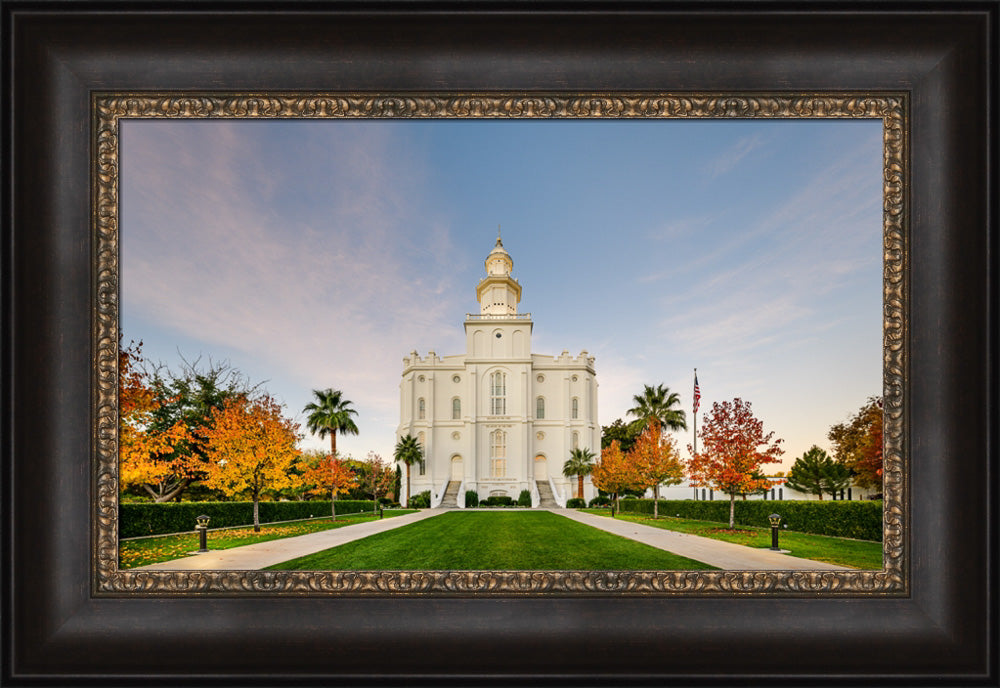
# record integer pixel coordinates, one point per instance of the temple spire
(498, 293)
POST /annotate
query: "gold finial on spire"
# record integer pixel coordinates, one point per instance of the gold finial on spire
(499, 242)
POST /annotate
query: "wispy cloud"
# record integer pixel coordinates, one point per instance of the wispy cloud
(731, 157)
(322, 279)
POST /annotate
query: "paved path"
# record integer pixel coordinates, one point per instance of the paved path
(264, 554)
(724, 555)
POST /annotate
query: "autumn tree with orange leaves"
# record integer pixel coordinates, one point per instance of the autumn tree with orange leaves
(146, 453)
(656, 461)
(330, 474)
(857, 444)
(734, 447)
(250, 448)
(614, 472)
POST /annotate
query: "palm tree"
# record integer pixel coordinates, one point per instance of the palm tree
(330, 414)
(409, 451)
(658, 402)
(581, 463)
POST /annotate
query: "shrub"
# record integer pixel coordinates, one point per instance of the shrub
(524, 499)
(575, 503)
(471, 499)
(136, 519)
(497, 501)
(420, 501)
(600, 500)
(861, 520)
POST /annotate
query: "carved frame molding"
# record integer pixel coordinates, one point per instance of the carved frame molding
(108, 109)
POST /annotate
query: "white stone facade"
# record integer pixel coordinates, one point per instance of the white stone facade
(498, 418)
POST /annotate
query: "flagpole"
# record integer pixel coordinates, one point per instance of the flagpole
(696, 411)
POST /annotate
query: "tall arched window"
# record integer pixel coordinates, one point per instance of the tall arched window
(498, 394)
(456, 408)
(420, 441)
(498, 454)
(576, 408)
(540, 408)
(421, 409)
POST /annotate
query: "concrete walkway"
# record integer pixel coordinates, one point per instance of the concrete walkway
(264, 554)
(724, 555)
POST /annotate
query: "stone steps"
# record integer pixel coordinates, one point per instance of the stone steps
(545, 498)
(450, 499)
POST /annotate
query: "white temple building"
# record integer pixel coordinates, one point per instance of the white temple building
(498, 419)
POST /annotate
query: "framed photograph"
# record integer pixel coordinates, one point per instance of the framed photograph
(74, 613)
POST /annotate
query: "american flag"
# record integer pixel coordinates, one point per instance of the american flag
(697, 392)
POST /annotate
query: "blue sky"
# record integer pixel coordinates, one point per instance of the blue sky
(313, 254)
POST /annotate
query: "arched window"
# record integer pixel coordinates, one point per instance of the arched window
(420, 441)
(576, 408)
(540, 408)
(498, 394)
(456, 408)
(421, 409)
(498, 454)
(576, 440)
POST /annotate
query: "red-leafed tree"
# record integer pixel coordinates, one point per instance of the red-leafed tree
(656, 461)
(379, 476)
(733, 448)
(614, 472)
(329, 475)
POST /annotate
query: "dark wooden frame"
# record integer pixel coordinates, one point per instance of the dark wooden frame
(56, 631)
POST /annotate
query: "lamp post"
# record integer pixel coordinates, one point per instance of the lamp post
(202, 529)
(775, 520)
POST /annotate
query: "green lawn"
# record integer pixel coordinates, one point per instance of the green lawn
(153, 550)
(861, 554)
(493, 540)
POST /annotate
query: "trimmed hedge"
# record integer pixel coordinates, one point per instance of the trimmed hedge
(137, 519)
(498, 500)
(471, 499)
(575, 503)
(861, 520)
(524, 499)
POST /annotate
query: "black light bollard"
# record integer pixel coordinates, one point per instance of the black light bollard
(775, 520)
(380, 511)
(202, 529)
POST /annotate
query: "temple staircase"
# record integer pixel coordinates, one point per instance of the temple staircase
(450, 499)
(545, 498)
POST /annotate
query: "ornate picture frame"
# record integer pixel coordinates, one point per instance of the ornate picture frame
(109, 110)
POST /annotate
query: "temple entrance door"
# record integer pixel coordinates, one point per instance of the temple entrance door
(541, 468)
(456, 469)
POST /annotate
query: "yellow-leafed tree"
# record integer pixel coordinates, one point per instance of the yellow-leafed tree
(656, 460)
(251, 448)
(146, 456)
